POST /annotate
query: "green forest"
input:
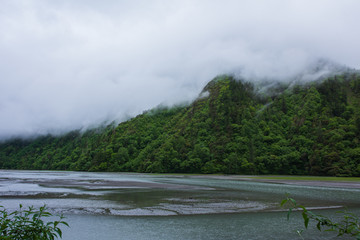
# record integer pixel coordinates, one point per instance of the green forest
(234, 127)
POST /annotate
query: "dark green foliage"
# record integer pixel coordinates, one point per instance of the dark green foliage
(29, 224)
(233, 128)
(348, 225)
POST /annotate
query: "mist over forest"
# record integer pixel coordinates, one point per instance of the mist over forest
(182, 86)
(233, 127)
(74, 65)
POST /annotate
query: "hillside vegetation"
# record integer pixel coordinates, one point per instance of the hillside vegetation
(233, 128)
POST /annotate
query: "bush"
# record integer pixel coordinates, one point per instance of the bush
(28, 224)
(348, 225)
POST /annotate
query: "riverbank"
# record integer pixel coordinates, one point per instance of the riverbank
(312, 181)
(124, 182)
(315, 181)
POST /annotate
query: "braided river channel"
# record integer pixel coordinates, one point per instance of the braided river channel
(159, 206)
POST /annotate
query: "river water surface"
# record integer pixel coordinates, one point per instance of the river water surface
(147, 206)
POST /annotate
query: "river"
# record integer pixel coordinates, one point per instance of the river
(152, 206)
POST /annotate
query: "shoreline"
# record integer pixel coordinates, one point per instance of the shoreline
(313, 181)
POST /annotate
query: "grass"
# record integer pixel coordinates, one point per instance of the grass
(270, 177)
(309, 178)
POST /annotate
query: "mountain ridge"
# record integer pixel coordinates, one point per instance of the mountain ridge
(232, 128)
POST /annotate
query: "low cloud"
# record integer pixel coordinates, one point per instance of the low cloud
(73, 64)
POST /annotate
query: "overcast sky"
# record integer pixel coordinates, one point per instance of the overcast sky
(70, 64)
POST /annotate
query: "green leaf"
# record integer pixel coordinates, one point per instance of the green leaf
(65, 223)
(288, 214)
(58, 230)
(283, 202)
(318, 225)
(293, 201)
(306, 219)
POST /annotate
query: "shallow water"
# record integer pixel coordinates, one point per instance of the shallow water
(145, 206)
(252, 225)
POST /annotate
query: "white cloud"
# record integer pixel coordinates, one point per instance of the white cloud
(69, 64)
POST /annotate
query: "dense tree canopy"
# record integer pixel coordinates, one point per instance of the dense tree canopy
(234, 128)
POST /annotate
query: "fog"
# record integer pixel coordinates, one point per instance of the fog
(75, 64)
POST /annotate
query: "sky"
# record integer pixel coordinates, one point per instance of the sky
(69, 64)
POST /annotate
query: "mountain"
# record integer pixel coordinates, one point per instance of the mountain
(234, 127)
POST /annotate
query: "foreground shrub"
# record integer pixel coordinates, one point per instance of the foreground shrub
(349, 223)
(29, 224)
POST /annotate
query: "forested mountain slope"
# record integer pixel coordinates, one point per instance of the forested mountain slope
(233, 127)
